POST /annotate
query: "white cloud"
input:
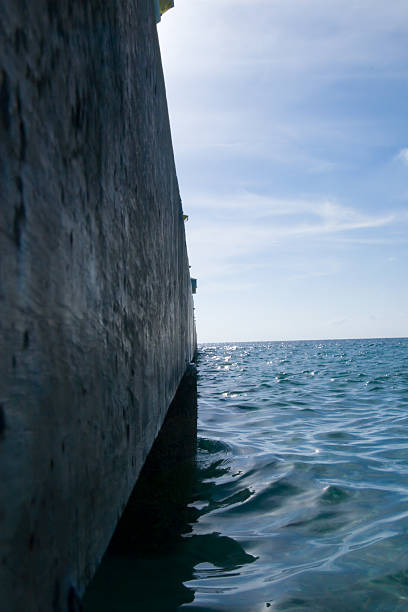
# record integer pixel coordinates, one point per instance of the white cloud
(403, 155)
(320, 216)
(280, 36)
(224, 230)
(242, 78)
(296, 98)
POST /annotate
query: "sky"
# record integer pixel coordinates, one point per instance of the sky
(289, 123)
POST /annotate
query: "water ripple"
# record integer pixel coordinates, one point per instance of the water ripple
(314, 477)
(300, 501)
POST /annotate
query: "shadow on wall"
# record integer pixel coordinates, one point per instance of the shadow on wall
(151, 554)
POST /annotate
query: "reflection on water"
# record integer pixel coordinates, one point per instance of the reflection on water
(299, 500)
(128, 583)
(156, 579)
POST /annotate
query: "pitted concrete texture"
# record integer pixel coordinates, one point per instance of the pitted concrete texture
(96, 315)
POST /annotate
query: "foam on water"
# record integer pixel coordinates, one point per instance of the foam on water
(301, 496)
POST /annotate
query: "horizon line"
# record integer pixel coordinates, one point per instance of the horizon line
(302, 340)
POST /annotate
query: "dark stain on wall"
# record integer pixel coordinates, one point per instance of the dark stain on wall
(2, 421)
(5, 100)
(19, 214)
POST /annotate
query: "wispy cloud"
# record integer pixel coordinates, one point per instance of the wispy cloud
(250, 81)
(282, 36)
(287, 120)
(403, 155)
(304, 216)
(233, 235)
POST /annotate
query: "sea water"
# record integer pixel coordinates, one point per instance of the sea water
(301, 495)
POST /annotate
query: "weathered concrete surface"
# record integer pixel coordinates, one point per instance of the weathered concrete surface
(157, 515)
(158, 506)
(96, 320)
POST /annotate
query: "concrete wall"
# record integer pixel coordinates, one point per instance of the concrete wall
(96, 319)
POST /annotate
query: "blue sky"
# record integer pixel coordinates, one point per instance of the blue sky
(289, 123)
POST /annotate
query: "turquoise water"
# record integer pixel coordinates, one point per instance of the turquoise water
(301, 496)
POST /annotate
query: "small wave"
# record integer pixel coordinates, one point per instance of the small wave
(293, 603)
(247, 406)
(305, 478)
(334, 495)
(337, 435)
(213, 446)
(268, 499)
(239, 497)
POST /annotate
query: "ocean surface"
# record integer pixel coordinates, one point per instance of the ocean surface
(300, 499)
